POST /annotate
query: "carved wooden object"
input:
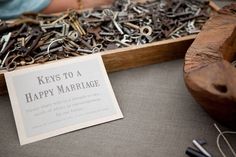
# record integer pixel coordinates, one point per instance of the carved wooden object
(208, 72)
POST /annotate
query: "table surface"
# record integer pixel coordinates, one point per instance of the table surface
(161, 120)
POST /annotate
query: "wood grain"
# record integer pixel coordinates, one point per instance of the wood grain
(208, 72)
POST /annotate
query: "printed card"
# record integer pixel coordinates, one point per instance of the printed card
(62, 96)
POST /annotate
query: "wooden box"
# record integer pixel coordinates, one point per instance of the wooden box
(136, 56)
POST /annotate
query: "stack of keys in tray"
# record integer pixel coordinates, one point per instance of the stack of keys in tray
(38, 38)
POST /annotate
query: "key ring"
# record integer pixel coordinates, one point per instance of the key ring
(12, 64)
(98, 46)
(28, 60)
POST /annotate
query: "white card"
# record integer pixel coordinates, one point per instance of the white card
(60, 97)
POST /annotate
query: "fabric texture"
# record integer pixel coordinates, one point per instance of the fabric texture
(160, 120)
(13, 8)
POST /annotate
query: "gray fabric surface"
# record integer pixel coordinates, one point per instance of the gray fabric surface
(161, 120)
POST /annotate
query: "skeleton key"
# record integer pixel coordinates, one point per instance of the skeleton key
(22, 41)
(6, 56)
(54, 45)
(65, 28)
(60, 19)
(33, 34)
(114, 40)
(107, 33)
(72, 44)
(68, 47)
(155, 19)
(85, 43)
(91, 20)
(94, 50)
(25, 50)
(9, 45)
(50, 26)
(177, 29)
(189, 18)
(116, 24)
(99, 46)
(146, 30)
(106, 29)
(177, 6)
(17, 33)
(5, 39)
(130, 25)
(126, 5)
(89, 38)
(179, 14)
(58, 49)
(37, 34)
(152, 4)
(96, 15)
(43, 40)
(147, 21)
(76, 24)
(27, 61)
(74, 36)
(41, 54)
(137, 10)
(86, 14)
(111, 46)
(11, 66)
(126, 39)
(42, 59)
(113, 15)
(96, 31)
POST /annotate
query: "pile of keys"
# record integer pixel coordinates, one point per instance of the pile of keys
(38, 38)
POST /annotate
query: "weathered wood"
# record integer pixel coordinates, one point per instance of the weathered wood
(208, 72)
